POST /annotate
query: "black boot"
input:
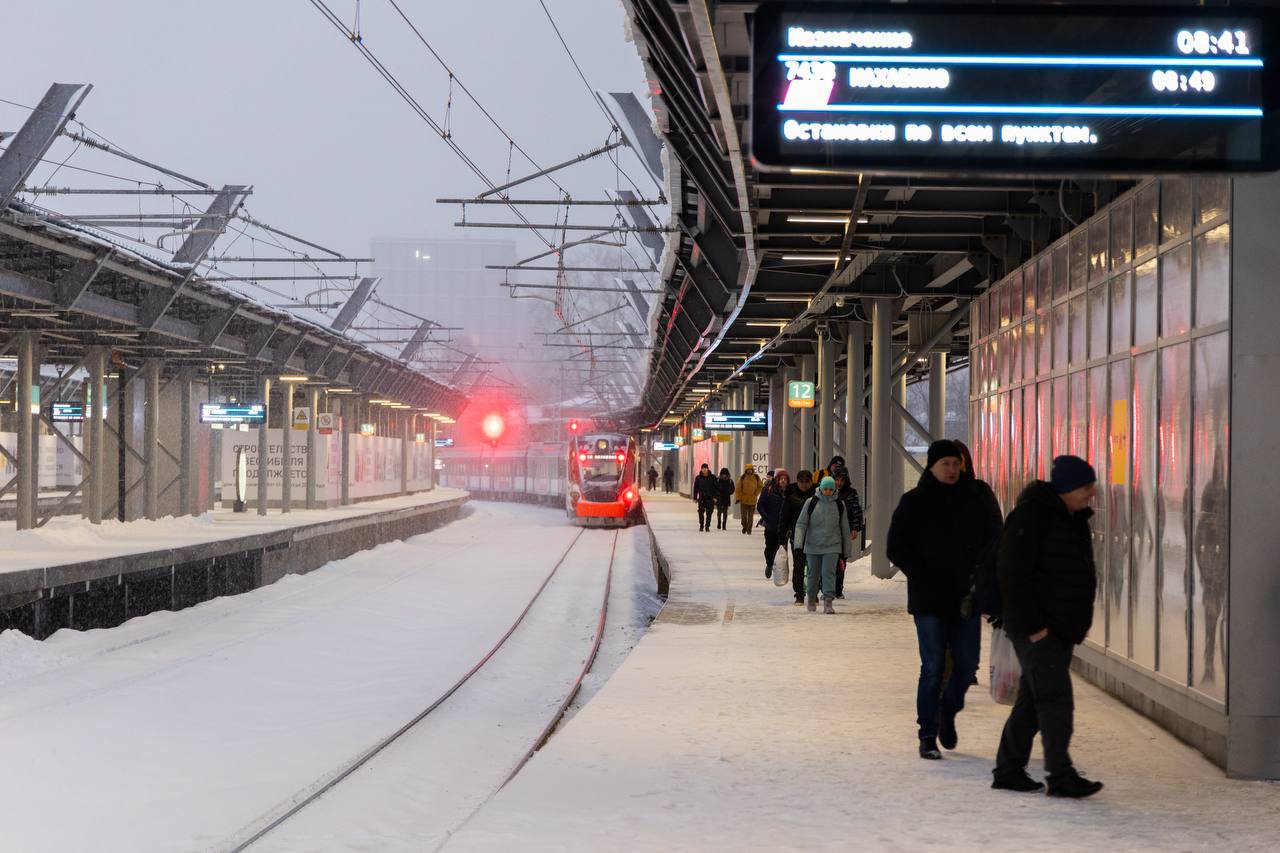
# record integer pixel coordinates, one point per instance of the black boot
(1072, 784)
(947, 733)
(1020, 782)
(929, 748)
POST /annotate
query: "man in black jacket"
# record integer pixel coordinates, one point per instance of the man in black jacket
(848, 495)
(1047, 583)
(938, 531)
(794, 498)
(705, 490)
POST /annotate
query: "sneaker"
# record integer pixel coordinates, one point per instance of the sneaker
(799, 601)
(1072, 784)
(811, 605)
(947, 733)
(929, 748)
(1021, 782)
(826, 606)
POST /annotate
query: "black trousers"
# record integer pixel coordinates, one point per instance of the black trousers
(1045, 704)
(798, 564)
(770, 545)
(722, 515)
(704, 513)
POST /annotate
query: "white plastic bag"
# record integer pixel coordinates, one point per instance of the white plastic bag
(781, 567)
(1005, 669)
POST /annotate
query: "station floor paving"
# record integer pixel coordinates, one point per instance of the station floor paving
(741, 722)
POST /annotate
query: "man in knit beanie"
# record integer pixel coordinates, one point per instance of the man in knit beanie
(1047, 584)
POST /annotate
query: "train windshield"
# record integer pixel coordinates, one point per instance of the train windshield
(601, 460)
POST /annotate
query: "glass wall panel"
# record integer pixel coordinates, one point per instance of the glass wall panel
(1079, 258)
(1029, 289)
(1098, 340)
(1002, 448)
(1145, 459)
(1144, 304)
(1003, 297)
(1013, 341)
(1121, 234)
(1173, 504)
(1175, 291)
(998, 362)
(1044, 281)
(1146, 220)
(1015, 297)
(1044, 341)
(1079, 441)
(978, 317)
(1118, 500)
(1044, 427)
(1099, 404)
(1175, 208)
(1209, 505)
(1029, 349)
(1121, 312)
(1060, 340)
(1061, 417)
(1060, 271)
(1099, 247)
(1079, 330)
(1030, 447)
(1213, 194)
(1015, 447)
(1213, 268)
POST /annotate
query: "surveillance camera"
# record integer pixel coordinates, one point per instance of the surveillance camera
(839, 301)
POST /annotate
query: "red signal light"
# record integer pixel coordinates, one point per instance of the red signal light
(493, 426)
(573, 426)
(582, 457)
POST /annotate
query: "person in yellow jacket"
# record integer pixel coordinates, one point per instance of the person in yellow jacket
(748, 491)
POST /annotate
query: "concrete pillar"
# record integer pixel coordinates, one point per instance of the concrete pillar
(854, 408)
(938, 394)
(805, 444)
(879, 502)
(777, 410)
(264, 444)
(406, 440)
(431, 453)
(95, 430)
(786, 441)
(900, 437)
(826, 392)
(188, 423)
(313, 400)
(286, 447)
(150, 378)
(27, 397)
(350, 408)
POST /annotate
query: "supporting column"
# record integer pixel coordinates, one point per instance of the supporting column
(150, 378)
(27, 398)
(854, 409)
(900, 438)
(777, 403)
(264, 444)
(805, 444)
(95, 413)
(312, 440)
(826, 398)
(786, 441)
(286, 448)
(406, 438)
(938, 394)
(431, 453)
(188, 476)
(881, 446)
(350, 409)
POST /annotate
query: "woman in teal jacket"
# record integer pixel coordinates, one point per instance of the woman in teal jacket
(822, 532)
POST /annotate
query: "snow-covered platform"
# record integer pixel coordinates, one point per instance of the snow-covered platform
(71, 573)
(742, 722)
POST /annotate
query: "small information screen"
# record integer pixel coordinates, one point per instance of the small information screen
(1015, 89)
(220, 413)
(736, 419)
(66, 412)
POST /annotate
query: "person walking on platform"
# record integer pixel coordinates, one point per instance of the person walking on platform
(1047, 585)
(770, 506)
(848, 495)
(822, 532)
(653, 478)
(668, 480)
(724, 498)
(704, 492)
(794, 498)
(938, 531)
(747, 493)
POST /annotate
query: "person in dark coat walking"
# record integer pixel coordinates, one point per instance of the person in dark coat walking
(705, 491)
(1047, 583)
(937, 533)
(795, 497)
(724, 498)
(770, 508)
(668, 480)
(652, 474)
(848, 495)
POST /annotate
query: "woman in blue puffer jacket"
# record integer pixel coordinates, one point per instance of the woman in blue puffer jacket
(822, 532)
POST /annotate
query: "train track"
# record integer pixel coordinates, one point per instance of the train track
(284, 811)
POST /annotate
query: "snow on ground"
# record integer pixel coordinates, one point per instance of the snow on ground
(175, 730)
(740, 722)
(71, 539)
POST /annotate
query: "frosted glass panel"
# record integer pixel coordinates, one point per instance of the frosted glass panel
(1013, 343)
(1121, 312)
(1029, 350)
(1031, 461)
(1175, 291)
(1146, 221)
(1175, 208)
(1044, 342)
(1029, 289)
(1079, 258)
(1121, 234)
(1099, 248)
(1144, 304)
(1079, 439)
(1146, 454)
(1118, 499)
(1044, 281)
(1213, 195)
(1213, 269)
(1209, 519)
(1015, 297)
(1060, 339)
(1061, 417)
(1060, 271)
(1098, 342)
(1044, 427)
(1174, 502)
(1099, 405)
(1079, 329)
(1015, 447)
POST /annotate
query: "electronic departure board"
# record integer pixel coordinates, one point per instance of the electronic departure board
(1015, 89)
(220, 413)
(736, 419)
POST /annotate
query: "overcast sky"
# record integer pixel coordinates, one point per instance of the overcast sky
(269, 93)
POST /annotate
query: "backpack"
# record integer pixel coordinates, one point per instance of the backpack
(808, 516)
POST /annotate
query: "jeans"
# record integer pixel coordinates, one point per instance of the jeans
(798, 564)
(770, 545)
(937, 634)
(822, 567)
(1044, 704)
(704, 513)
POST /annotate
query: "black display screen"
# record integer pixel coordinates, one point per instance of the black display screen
(736, 419)
(220, 413)
(1014, 89)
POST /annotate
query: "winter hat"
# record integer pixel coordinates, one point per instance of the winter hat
(1070, 473)
(836, 462)
(827, 483)
(941, 449)
(839, 471)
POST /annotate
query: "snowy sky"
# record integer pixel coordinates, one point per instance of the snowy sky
(269, 93)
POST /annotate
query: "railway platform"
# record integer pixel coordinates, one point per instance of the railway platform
(742, 722)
